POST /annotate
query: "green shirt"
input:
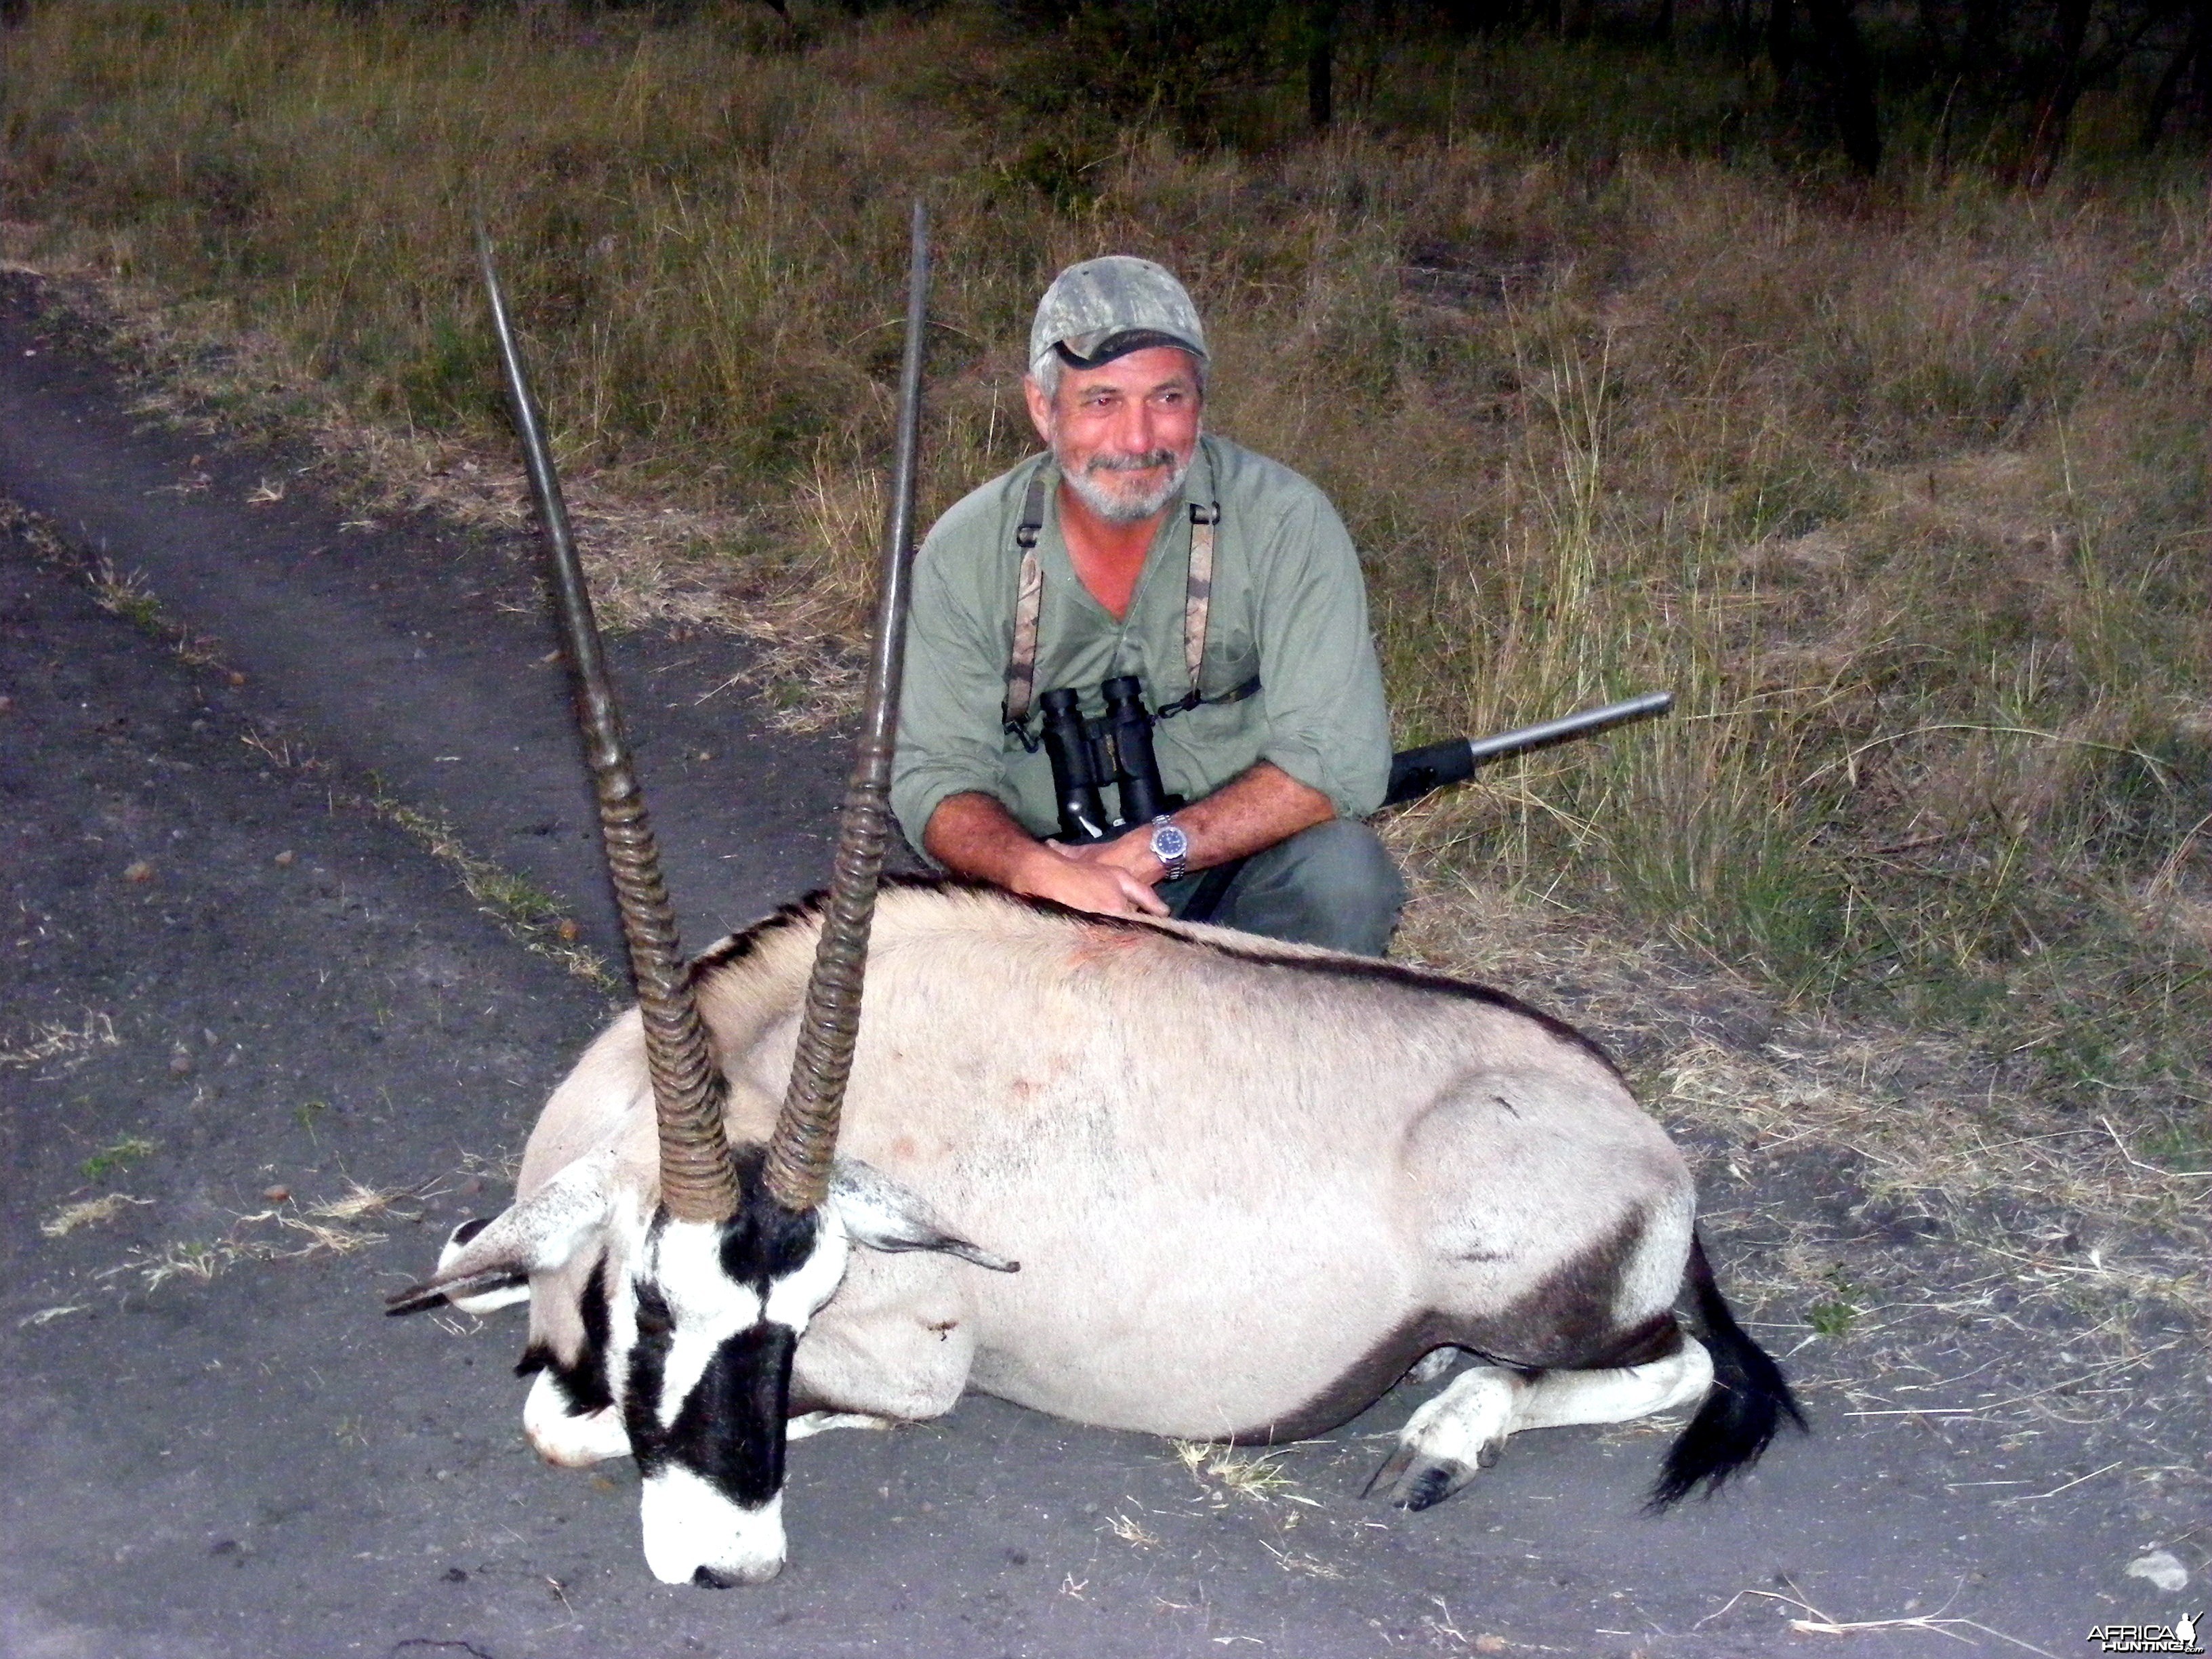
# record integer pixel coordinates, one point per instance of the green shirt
(1288, 607)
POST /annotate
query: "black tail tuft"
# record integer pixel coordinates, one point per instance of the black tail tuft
(1740, 1415)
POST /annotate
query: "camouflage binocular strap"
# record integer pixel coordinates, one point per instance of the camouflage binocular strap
(1029, 604)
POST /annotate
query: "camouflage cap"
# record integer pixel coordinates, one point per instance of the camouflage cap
(1102, 308)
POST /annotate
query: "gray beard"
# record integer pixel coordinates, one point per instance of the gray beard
(1118, 507)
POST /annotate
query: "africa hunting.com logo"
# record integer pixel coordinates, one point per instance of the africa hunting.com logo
(2181, 1637)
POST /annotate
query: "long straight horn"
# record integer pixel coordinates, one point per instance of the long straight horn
(796, 1169)
(698, 1181)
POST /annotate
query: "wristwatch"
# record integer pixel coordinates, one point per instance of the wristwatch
(1169, 846)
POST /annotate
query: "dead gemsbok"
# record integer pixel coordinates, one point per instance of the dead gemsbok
(1139, 1173)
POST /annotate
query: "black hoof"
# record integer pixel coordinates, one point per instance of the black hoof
(1392, 1466)
(1431, 1485)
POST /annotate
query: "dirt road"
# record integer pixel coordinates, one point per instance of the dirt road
(270, 1051)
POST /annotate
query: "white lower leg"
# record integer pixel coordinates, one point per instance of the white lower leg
(1431, 1367)
(1555, 1398)
(807, 1423)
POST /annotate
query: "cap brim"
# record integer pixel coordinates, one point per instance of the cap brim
(1097, 351)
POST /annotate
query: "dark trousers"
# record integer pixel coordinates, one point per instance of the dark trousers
(1330, 885)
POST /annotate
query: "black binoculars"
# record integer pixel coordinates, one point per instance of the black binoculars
(1087, 754)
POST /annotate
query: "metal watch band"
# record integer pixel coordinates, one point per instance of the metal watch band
(1170, 846)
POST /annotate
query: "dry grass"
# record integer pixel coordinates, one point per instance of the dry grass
(1222, 1471)
(322, 1230)
(48, 1040)
(1304, 1565)
(125, 594)
(88, 1212)
(48, 1315)
(1812, 1621)
(1902, 492)
(357, 1203)
(1132, 1531)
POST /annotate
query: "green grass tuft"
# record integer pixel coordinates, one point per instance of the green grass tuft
(131, 1149)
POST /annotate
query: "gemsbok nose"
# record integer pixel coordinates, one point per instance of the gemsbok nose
(694, 1535)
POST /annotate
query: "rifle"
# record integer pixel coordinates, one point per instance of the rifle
(1415, 772)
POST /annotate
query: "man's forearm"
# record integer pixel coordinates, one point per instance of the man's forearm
(972, 835)
(1260, 806)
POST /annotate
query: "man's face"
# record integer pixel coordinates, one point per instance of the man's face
(1123, 432)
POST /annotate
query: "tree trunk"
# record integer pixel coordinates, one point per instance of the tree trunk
(1782, 39)
(2195, 52)
(2054, 110)
(1928, 19)
(1984, 24)
(1848, 81)
(1742, 37)
(1321, 65)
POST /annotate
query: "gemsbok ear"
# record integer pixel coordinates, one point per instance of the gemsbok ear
(536, 1235)
(885, 1216)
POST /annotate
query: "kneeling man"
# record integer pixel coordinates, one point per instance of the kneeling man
(1225, 584)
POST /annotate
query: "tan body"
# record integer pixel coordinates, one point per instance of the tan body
(1249, 1183)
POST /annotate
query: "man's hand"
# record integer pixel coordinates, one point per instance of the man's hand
(1099, 877)
(972, 835)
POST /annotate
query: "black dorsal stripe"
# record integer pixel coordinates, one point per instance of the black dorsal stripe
(803, 912)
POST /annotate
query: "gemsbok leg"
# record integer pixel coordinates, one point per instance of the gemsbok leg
(1465, 1426)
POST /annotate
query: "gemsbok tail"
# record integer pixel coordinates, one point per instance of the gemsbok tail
(1748, 1400)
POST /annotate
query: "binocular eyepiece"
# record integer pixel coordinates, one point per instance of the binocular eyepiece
(1088, 754)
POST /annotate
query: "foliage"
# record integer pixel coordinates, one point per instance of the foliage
(1153, 61)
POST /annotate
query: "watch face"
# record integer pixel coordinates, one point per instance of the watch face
(1169, 842)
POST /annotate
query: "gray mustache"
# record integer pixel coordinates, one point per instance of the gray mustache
(1147, 462)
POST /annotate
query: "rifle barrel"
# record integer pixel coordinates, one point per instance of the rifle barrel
(1415, 772)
